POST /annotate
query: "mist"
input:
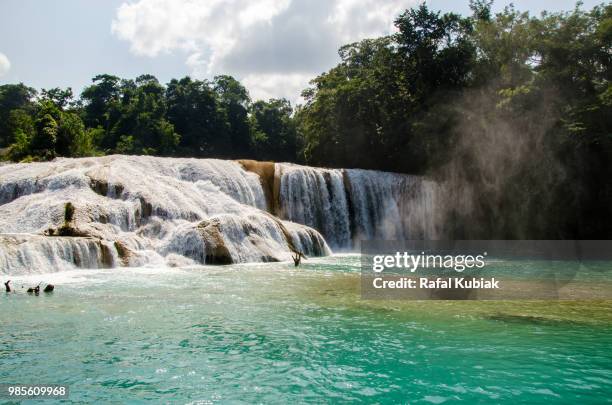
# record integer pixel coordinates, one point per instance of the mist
(504, 176)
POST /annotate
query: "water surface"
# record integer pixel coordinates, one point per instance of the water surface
(269, 333)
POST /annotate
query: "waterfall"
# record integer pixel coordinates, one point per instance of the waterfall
(137, 210)
(31, 253)
(392, 206)
(317, 198)
(349, 205)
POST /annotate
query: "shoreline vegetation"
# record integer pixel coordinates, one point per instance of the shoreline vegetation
(510, 112)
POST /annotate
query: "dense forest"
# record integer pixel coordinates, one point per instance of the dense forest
(183, 118)
(512, 112)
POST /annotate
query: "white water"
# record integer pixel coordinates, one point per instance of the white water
(138, 210)
(160, 210)
(349, 205)
(315, 197)
(392, 206)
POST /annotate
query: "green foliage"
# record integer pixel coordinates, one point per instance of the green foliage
(13, 97)
(274, 131)
(194, 110)
(234, 101)
(21, 146)
(186, 118)
(60, 97)
(47, 131)
(68, 212)
(101, 100)
(379, 99)
(45, 138)
(73, 139)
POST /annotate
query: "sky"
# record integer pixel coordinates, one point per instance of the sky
(274, 47)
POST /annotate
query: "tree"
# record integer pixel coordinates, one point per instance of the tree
(13, 97)
(142, 116)
(101, 105)
(435, 50)
(45, 138)
(234, 102)
(22, 130)
(274, 132)
(387, 93)
(61, 98)
(72, 137)
(194, 110)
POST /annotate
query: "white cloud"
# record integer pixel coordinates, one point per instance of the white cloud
(273, 85)
(354, 22)
(274, 46)
(5, 64)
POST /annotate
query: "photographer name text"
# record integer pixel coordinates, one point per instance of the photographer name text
(436, 283)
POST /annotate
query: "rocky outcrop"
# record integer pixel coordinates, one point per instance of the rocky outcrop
(215, 250)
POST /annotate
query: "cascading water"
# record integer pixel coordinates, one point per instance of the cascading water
(317, 198)
(392, 206)
(38, 252)
(134, 210)
(348, 205)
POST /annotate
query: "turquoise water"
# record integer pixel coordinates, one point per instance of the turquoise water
(273, 334)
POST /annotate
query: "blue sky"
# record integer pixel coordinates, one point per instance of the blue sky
(273, 46)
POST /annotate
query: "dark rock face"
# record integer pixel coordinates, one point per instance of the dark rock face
(68, 230)
(103, 188)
